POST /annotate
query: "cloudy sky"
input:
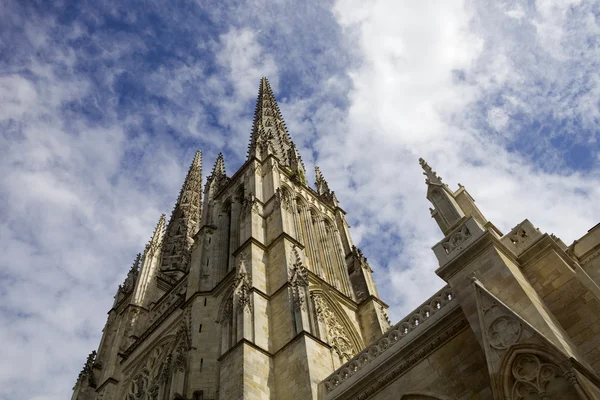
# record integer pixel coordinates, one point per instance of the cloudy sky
(102, 107)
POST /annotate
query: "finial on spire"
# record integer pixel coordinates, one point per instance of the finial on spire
(321, 183)
(431, 176)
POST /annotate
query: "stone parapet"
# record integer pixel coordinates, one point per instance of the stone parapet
(398, 336)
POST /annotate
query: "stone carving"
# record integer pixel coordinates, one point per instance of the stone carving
(393, 335)
(335, 332)
(326, 194)
(241, 287)
(298, 276)
(535, 378)
(502, 329)
(227, 312)
(519, 237)
(282, 198)
(86, 376)
(249, 203)
(503, 332)
(454, 241)
(149, 380)
(157, 315)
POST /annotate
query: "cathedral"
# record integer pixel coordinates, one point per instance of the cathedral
(253, 289)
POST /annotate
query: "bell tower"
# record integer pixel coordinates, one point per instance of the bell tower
(256, 292)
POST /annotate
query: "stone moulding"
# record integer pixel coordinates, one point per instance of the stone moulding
(394, 335)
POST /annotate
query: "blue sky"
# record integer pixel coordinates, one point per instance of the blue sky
(102, 107)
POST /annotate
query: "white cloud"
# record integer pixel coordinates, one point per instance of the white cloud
(364, 99)
(406, 102)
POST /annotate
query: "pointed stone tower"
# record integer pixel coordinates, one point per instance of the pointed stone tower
(256, 292)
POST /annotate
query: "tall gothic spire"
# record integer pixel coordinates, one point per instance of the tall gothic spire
(184, 222)
(270, 135)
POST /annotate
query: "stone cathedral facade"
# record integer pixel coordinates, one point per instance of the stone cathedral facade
(253, 289)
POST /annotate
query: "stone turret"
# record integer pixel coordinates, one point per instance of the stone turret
(450, 208)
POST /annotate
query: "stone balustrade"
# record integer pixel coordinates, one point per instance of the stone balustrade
(391, 337)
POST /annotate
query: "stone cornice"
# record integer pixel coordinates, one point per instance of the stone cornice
(242, 246)
(241, 342)
(374, 299)
(540, 248)
(106, 382)
(299, 335)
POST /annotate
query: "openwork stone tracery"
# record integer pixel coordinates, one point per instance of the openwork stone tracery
(534, 377)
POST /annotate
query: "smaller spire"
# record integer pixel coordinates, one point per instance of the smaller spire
(184, 220)
(219, 168)
(321, 183)
(158, 233)
(132, 275)
(323, 190)
(431, 176)
(87, 374)
(136, 263)
(218, 175)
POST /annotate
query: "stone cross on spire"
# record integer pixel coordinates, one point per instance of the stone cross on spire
(429, 173)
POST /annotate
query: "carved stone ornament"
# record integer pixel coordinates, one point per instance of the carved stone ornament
(249, 203)
(298, 277)
(535, 378)
(501, 329)
(519, 237)
(336, 334)
(241, 288)
(503, 332)
(455, 240)
(86, 376)
(282, 198)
